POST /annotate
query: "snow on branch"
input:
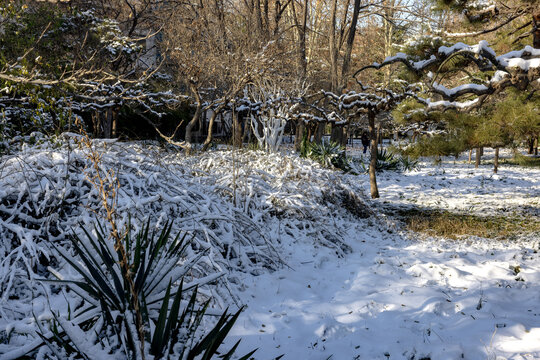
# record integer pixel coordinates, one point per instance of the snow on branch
(376, 101)
(514, 69)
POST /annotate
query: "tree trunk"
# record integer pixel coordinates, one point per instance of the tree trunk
(349, 44)
(319, 132)
(334, 76)
(194, 119)
(209, 134)
(379, 136)
(114, 114)
(336, 136)
(373, 161)
(478, 158)
(299, 135)
(96, 123)
(389, 28)
(347, 136)
(530, 143)
(237, 131)
(536, 30)
(496, 161)
(301, 48)
(107, 123)
(470, 155)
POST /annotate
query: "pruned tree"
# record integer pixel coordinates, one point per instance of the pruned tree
(487, 73)
(371, 101)
(485, 17)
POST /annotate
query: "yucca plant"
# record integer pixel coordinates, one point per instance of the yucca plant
(387, 161)
(408, 164)
(136, 312)
(329, 155)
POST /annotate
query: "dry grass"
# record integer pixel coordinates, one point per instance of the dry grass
(454, 226)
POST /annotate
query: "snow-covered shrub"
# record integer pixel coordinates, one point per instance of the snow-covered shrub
(271, 108)
(239, 220)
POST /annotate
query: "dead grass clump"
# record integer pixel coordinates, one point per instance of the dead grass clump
(453, 226)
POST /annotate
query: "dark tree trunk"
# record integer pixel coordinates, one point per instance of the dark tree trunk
(373, 161)
(114, 124)
(379, 136)
(301, 48)
(194, 119)
(336, 135)
(334, 76)
(209, 134)
(96, 123)
(299, 135)
(478, 158)
(536, 30)
(530, 142)
(237, 130)
(496, 161)
(350, 42)
(319, 132)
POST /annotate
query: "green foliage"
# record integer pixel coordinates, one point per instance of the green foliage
(438, 145)
(523, 160)
(135, 288)
(409, 111)
(329, 155)
(42, 45)
(387, 161)
(422, 47)
(408, 164)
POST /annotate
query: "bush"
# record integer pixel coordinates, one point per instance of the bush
(408, 164)
(132, 296)
(329, 155)
(387, 160)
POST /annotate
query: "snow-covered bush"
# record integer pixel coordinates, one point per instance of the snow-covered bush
(238, 220)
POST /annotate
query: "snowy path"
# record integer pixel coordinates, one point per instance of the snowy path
(394, 298)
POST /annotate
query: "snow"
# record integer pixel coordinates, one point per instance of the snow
(399, 296)
(336, 276)
(448, 93)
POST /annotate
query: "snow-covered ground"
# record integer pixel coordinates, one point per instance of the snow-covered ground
(396, 296)
(323, 273)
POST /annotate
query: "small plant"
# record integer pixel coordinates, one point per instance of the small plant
(138, 319)
(408, 164)
(387, 160)
(329, 155)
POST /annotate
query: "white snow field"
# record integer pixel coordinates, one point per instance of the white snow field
(323, 273)
(403, 296)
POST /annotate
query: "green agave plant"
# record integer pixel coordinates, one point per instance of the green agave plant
(329, 155)
(131, 315)
(408, 164)
(387, 161)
